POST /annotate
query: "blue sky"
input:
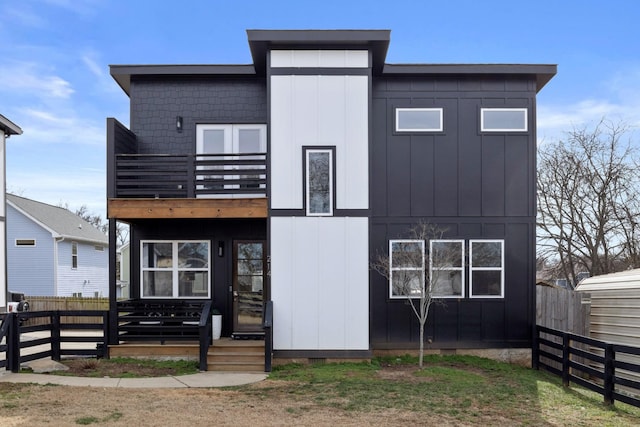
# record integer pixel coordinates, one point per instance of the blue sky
(55, 82)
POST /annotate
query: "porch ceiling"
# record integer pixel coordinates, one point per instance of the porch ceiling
(186, 208)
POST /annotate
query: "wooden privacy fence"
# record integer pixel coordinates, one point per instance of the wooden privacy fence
(38, 303)
(563, 309)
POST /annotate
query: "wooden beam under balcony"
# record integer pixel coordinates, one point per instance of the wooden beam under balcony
(186, 208)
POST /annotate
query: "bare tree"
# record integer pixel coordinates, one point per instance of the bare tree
(588, 206)
(407, 270)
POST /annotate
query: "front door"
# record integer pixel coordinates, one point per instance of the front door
(249, 270)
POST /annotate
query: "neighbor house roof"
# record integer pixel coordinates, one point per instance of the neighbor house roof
(59, 221)
(628, 279)
(8, 127)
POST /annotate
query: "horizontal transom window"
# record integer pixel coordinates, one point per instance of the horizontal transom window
(25, 242)
(418, 119)
(503, 120)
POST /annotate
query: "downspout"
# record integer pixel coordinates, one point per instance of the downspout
(56, 241)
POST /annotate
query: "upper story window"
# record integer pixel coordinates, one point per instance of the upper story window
(74, 254)
(406, 262)
(503, 120)
(224, 149)
(319, 181)
(446, 259)
(175, 269)
(419, 120)
(486, 268)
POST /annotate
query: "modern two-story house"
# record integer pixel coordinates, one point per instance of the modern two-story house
(282, 179)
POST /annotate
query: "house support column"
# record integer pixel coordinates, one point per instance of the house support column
(112, 327)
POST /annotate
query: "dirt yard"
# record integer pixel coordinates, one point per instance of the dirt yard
(34, 405)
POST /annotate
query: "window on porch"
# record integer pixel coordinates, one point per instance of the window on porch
(175, 269)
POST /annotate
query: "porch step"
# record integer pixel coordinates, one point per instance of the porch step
(234, 355)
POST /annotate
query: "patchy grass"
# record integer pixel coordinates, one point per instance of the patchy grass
(125, 367)
(463, 389)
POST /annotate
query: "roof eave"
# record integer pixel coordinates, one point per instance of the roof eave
(8, 127)
(542, 73)
(122, 73)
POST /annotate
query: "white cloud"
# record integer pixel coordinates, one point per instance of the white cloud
(27, 78)
(42, 127)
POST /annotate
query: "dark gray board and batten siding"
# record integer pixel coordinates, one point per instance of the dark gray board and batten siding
(476, 185)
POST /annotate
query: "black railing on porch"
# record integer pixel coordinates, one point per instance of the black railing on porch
(15, 329)
(190, 176)
(613, 370)
(164, 321)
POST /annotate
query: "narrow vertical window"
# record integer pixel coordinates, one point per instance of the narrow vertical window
(406, 261)
(319, 181)
(446, 259)
(74, 255)
(486, 268)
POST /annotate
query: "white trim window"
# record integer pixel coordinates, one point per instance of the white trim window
(406, 268)
(25, 242)
(319, 181)
(446, 268)
(419, 119)
(503, 120)
(486, 268)
(175, 269)
(236, 144)
(74, 255)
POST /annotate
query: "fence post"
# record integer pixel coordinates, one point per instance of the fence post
(55, 335)
(609, 373)
(535, 348)
(565, 358)
(13, 356)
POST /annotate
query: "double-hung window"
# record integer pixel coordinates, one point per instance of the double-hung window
(486, 268)
(175, 269)
(74, 255)
(319, 181)
(446, 261)
(407, 262)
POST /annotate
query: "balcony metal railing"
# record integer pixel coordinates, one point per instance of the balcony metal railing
(190, 176)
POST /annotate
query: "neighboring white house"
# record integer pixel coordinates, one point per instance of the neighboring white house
(7, 128)
(53, 252)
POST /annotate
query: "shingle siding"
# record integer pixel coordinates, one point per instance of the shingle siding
(155, 104)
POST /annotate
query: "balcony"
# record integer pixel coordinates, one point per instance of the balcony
(190, 176)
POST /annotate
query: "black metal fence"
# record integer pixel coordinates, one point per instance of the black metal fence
(15, 330)
(267, 325)
(612, 370)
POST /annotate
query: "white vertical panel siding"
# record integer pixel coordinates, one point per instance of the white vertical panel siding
(3, 268)
(319, 283)
(320, 58)
(92, 274)
(319, 110)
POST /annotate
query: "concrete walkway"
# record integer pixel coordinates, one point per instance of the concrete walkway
(42, 367)
(199, 380)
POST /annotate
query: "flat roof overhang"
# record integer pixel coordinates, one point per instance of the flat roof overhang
(542, 73)
(261, 41)
(122, 74)
(130, 209)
